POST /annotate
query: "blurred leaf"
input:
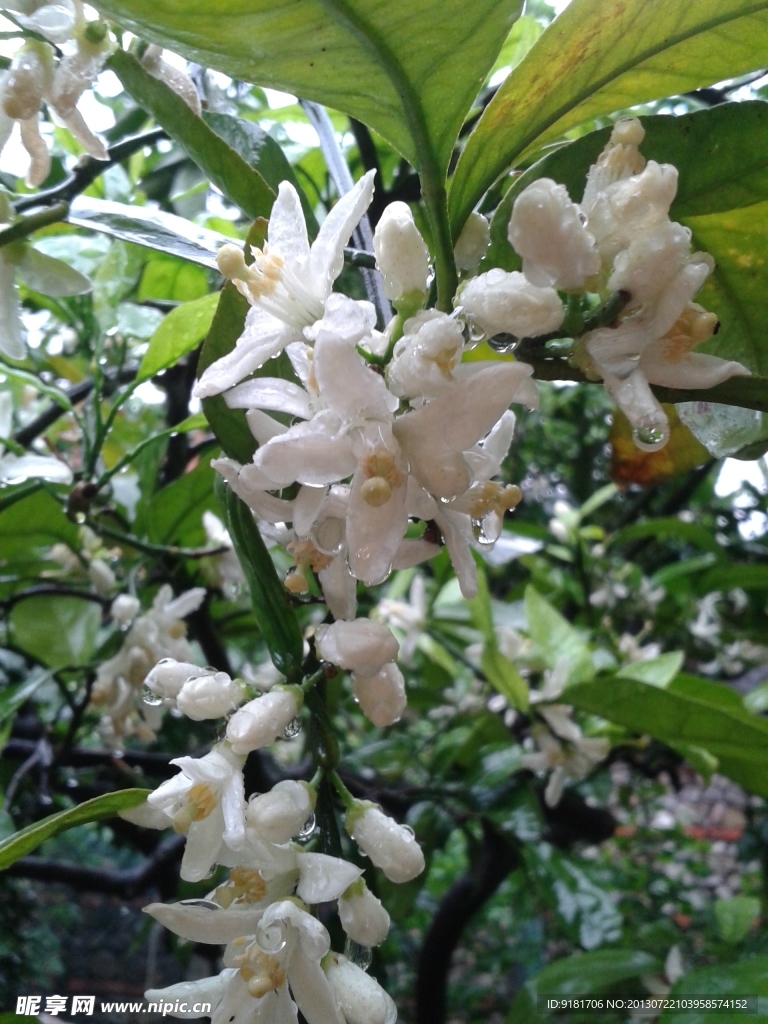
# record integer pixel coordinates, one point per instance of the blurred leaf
(657, 671)
(691, 711)
(630, 465)
(669, 526)
(748, 977)
(271, 604)
(725, 577)
(556, 638)
(521, 38)
(258, 149)
(152, 228)
(499, 670)
(580, 902)
(35, 521)
(29, 838)
(12, 697)
(56, 630)
(735, 916)
(175, 513)
(409, 71)
(213, 153)
(181, 330)
(166, 277)
(600, 56)
(582, 974)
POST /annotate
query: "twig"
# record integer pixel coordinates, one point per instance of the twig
(154, 549)
(87, 171)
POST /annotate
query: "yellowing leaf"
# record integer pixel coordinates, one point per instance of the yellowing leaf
(630, 465)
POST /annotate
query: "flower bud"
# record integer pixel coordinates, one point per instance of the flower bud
(360, 997)
(391, 847)
(401, 253)
(502, 303)
(547, 230)
(280, 814)
(259, 722)
(124, 609)
(27, 80)
(359, 646)
(209, 696)
(101, 576)
(362, 915)
(473, 241)
(168, 676)
(426, 355)
(381, 697)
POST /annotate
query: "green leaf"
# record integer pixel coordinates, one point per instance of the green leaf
(748, 977)
(668, 526)
(258, 149)
(556, 638)
(735, 916)
(183, 329)
(229, 425)
(582, 974)
(411, 71)
(56, 630)
(600, 56)
(689, 712)
(35, 521)
(657, 671)
(725, 577)
(523, 35)
(271, 605)
(175, 513)
(222, 164)
(29, 838)
(154, 229)
(498, 669)
(12, 697)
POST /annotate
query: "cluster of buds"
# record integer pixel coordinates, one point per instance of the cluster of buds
(92, 560)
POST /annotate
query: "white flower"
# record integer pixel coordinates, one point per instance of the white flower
(361, 646)
(206, 802)
(22, 89)
(261, 721)
(381, 696)
(499, 302)
(288, 283)
(360, 997)
(473, 241)
(391, 847)
(402, 256)
(17, 468)
(426, 356)
(564, 751)
(54, 21)
(124, 609)
(408, 617)
(547, 230)
(101, 576)
(362, 915)
(213, 695)
(281, 813)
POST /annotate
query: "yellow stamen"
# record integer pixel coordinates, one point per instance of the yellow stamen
(376, 491)
(199, 802)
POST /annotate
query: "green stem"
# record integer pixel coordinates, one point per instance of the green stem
(346, 797)
(28, 225)
(153, 549)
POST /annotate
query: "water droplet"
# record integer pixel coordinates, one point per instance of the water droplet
(293, 729)
(360, 956)
(271, 940)
(46, 799)
(408, 829)
(72, 783)
(232, 590)
(308, 827)
(176, 713)
(150, 697)
(478, 532)
(650, 439)
(118, 754)
(206, 904)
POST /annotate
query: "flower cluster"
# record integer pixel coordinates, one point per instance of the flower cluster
(621, 240)
(119, 687)
(278, 954)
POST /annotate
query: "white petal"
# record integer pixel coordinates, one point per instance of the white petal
(696, 370)
(14, 470)
(262, 426)
(11, 337)
(233, 809)
(204, 924)
(146, 816)
(185, 603)
(327, 255)
(50, 276)
(308, 454)
(413, 550)
(339, 589)
(381, 697)
(205, 990)
(287, 227)
(264, 336)
(347, 383)
(323, 878)
(456, 529)
(374, 534)
(202, 848)
(312, 990)
(306, 508)
(270, 393)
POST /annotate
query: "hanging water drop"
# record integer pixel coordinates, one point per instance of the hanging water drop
(360, 956)
(649, 439)
(205, 904)
(293, 729)
(150, 697)
(308, 827)
(176, 712)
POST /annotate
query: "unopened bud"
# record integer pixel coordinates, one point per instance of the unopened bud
(401, 253)
(280, 814)
(391, 847)
(261, 721)
(382, 696)
(168, 676)
(507, 303)
(473, 241)
(209, 696)
(360, 646)
(231, 262)
(124, 609)
(363, 916)
(360, 997)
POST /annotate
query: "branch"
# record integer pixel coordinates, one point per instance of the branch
(153, 764)
(127, 884)
(86, 172)
(498, 857)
